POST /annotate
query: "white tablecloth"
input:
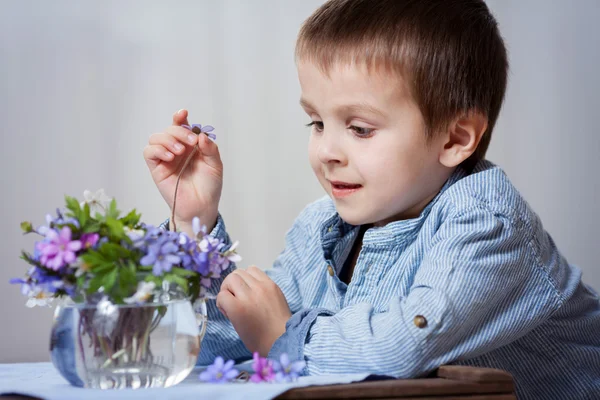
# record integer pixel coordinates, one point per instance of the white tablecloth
(43, 380)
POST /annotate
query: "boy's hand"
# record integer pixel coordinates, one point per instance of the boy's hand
(200, 186)
(255, 306)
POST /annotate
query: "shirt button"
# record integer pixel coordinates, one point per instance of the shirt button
(420, 321)
(330, 229)
(330, 270)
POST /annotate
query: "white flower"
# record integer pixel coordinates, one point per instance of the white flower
(80, 266)
(134, 234)
(144, 291)
(98, 201)
(231, 254)
(106, 316)
(43, 230)
(106, 307)
(206, 241)
(37, 297)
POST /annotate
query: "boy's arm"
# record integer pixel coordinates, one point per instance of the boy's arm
(479, 287)
(221, 339)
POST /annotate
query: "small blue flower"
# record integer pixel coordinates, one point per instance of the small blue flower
(206, 129)
(286, 371)
(188, 250)
(161, 255)
(219, 372)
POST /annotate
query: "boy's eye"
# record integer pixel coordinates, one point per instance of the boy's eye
(317, 124)
(362, 132)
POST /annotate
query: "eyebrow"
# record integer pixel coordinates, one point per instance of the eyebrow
(349, 108)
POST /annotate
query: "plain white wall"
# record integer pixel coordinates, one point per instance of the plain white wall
(83, 85)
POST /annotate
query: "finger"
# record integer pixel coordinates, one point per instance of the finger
(184, 135)
(180, 117)
(236, 285)
(155, 153)
(170, 142)
(210, 151)
(257, 273)
(225, 302)
(250, 280)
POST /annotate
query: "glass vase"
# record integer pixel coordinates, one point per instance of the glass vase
(108, 346)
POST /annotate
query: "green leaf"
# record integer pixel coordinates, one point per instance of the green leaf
(84, 216)
(104, 279)
(194, 290)
(92, 226)
(109, 281)
(95, 283)
(112, 211)
(186, 273)
(81, 281)
(178, 280)
(115, 228)
(153, 278)
(113, 251)
(94, 258)
(127, 279)
(131, 219)
(73, 206)
(29, 259)
(103, 268)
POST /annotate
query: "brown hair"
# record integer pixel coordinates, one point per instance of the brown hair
(450, 52)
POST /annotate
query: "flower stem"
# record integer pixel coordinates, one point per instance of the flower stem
(197, 131)
(113, 357)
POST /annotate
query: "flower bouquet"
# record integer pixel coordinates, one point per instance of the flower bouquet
(135, 293)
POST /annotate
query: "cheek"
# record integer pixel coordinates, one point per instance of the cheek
(396, 168)
(313, 155)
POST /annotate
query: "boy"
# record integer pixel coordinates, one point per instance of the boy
(422, 253)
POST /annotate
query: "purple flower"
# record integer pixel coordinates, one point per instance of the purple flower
(39, 280)
(53, 222)
(58, 249)
(152, 231)
(50, 283)
(219, 372)
(161, 255)
(286, 371)
(207, 129)
(26, 285)
(263, 369)
(89, 240)
(188, 251)
(201, 263)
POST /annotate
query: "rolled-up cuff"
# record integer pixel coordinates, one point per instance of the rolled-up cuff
(296, 332)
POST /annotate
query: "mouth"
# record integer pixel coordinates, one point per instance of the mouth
(343, 189)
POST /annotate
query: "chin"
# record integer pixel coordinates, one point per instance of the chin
(353, 218)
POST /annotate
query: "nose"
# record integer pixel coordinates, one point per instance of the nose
(330, 148)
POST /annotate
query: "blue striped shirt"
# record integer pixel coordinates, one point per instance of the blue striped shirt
(474, 280)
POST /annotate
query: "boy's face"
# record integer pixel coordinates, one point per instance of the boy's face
(368, 145)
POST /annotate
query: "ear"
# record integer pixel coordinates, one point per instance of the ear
(462, 138)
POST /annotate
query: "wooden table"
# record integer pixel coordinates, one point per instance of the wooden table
(449, 382)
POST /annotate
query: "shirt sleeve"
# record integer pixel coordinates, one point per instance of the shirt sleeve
(289, 264)
(479, 287)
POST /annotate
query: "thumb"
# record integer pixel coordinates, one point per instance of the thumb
(180, 117)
